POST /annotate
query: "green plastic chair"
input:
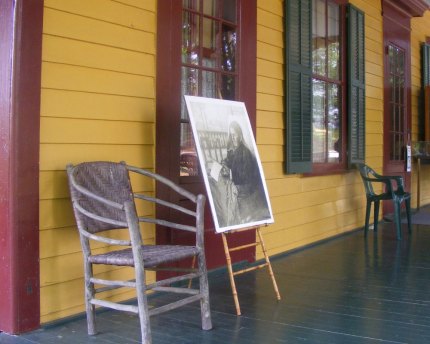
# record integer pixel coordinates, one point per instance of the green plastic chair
(393, 190)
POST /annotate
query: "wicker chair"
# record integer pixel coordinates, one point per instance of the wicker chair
(394, 191)
(103, 201)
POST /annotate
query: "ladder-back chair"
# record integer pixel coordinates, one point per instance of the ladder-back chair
(103, 201)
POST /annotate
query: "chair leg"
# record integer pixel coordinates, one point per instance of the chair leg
(89, 295)
(142, 304)
(375, 216)
(90, 309)
(366, 224)
(204, 290)
(397, 220)
(408, 213)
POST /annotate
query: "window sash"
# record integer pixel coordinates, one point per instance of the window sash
(328, 74)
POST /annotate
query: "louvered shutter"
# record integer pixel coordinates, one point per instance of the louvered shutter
(298, 86)
(426, 64)
(425, 93)
(356, 87)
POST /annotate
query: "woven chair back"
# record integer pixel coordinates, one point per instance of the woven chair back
(108, 180)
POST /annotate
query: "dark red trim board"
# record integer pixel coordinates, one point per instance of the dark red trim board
(20, 75)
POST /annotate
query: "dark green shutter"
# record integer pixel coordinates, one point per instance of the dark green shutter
(298, 16)
(426, 64)
(356, 87)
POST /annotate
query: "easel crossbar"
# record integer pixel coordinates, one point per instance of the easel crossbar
(250, 269)
(242, 247)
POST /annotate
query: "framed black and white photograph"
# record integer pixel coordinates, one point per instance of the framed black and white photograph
(230, 163)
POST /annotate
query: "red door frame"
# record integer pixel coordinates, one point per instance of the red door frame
(168, 120)
(396, 30)
(20, 74)
(397, 16)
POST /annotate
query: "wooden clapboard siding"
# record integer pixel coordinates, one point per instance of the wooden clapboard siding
(97, 103)
(420, 31)
(53, 184)
(56, 156)
(51, 237)
(75, 104)
(63, 130)
(374, 81)
(311, 208)
(64, 299)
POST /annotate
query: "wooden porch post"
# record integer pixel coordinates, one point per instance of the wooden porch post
(20, 75)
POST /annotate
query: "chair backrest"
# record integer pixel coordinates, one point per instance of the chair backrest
(367, 172)
(101, 188)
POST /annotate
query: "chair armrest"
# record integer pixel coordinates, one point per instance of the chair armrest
(399, 182)
(381, 179)
(199, 200)
(398, 179)
(164, 181)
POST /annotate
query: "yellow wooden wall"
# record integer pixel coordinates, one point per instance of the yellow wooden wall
(309, 209)
(420, 31)
(97, 102)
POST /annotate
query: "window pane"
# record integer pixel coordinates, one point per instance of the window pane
(189, 86)
(188, 160)
(209, 43)
(228, 49)
(191, 4)
(319, 38)
(210, 7)
(229, 10)
(333, 123)
(228, 87)
(319, 127)
(190, 38)
(210, 86)
(333, 40)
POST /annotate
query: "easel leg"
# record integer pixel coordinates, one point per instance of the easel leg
(193, 265)
(230, 272)
(269, 266)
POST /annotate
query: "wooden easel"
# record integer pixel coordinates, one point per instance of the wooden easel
(232, 273)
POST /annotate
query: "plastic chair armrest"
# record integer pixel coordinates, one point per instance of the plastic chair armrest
(386, 181)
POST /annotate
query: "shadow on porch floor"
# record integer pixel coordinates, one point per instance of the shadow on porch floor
(346, 290)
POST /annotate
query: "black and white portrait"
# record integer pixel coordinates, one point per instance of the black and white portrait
(230, 163)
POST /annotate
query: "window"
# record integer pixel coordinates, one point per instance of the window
(324, 94)
(209, 45)
(190, 44)
(397, 102)
(328, 86)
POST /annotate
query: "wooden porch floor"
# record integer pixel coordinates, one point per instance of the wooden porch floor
(346, 290)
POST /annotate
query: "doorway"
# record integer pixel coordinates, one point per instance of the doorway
(205, 48)
(397, 94)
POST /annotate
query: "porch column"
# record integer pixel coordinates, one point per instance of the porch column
(20, 74)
